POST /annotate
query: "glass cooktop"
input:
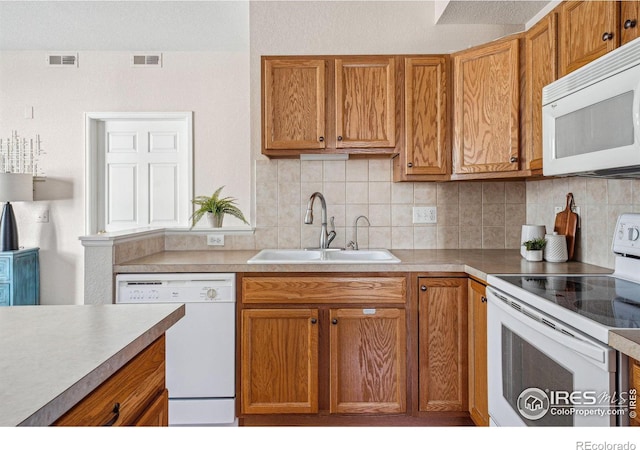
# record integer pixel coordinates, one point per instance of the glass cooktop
(610, 301)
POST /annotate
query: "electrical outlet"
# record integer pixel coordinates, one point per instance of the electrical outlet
(215, 239)
(425, 214)
(42, 216)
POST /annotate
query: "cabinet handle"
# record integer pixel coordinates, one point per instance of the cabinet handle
(321, 139)
(629, 23)
(483, 299)
(607, 36)
(513, 159)
(423, 288)
(409, 165)
(334, 321)
(339, 138)
(116, 415)
(314, 320)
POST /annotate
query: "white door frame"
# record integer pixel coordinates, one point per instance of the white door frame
(92, 163)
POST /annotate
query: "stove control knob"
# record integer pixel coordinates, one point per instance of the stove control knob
(634, 234)
(212, 293)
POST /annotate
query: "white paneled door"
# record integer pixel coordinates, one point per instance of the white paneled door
(144, 173)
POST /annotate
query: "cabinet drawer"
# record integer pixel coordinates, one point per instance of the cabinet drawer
(318, 289)
(134, 387)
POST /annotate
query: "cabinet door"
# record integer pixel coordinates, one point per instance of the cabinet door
(279, 361)
(629, 20)
(541, 69)
(294, 104)
(587, 30)
(478, 401)
(426, 145)
(157, 414)
(365, 102)
(487, 96)
(368, 360)
(442, 344)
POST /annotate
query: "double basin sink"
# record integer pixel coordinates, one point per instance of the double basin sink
(323, 256)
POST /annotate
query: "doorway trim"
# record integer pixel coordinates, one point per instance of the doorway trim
(92, 157)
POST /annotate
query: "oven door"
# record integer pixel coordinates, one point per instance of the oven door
(540, 374)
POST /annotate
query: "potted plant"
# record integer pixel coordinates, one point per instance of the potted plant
(534, 249)
(215, 207)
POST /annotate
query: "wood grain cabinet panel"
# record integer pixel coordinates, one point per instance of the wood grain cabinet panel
(368, 360)
(487, 108)
(130, 395)
(629, 20)
(478, 383)
(442, 344)
(540, 70)
(279, 361)
(427, 149)
(365, 102)
(294, 104)
(587, 30)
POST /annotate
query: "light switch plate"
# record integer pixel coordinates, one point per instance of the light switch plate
(425, 214)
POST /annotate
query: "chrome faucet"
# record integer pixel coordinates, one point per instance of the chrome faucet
(325, 236)
(352, 244)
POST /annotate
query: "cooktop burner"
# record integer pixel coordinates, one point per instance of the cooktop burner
(611, 301)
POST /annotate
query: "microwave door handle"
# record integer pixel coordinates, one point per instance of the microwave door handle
(587, 349)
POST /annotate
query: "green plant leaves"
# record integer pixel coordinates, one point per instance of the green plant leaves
(216, 205)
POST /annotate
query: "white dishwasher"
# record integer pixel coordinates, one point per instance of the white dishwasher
(200, 348)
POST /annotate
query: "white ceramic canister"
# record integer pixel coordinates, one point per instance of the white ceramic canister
(530, 232)
(555, 249)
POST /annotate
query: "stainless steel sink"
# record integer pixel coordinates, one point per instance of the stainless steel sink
(319, 256)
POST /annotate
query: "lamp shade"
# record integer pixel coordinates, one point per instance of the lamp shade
(16, 187)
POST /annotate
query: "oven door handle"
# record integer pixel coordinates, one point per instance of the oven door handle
(588, 349)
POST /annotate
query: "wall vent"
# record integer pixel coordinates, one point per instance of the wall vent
(146, 60)
(62, 59)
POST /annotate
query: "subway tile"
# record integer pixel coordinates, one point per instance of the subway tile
(401, 216)
(357, 170)
(448, 237)
(493, 237)
(380, 237)
(379, 192)
(447, 193)
(380, 215)
(425, 237)
(426, 193)
(402, 237)
(379, 170)
(493, 192)
(357, 192)
(288, 171)
(515, 192)
(470, 192)
(401, 193)
(311, 171)
(334, 171)
(470, 237)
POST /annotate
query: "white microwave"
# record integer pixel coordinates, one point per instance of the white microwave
(591, 118)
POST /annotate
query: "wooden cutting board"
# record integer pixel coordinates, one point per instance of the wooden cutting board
(567, 224)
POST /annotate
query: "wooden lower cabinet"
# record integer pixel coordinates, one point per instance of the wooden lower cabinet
(344, 352)
(279, 361)
(135, 395)
(442, 344)
(478, 399)
(634, 385)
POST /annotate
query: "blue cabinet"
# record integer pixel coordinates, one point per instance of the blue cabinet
(20, 277)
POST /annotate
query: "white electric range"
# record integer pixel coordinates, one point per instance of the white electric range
(548, 359)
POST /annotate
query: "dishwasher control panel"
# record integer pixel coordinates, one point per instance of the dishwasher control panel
(178, 288)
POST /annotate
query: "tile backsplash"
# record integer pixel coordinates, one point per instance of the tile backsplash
(469, 214)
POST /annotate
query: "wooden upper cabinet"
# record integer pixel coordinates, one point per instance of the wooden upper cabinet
(294, 104)
(629, 20)
(368, 360)
(365, 95)
(487, 108)
(587, 30)
(279, 361)
(540, 70)
(427, 149)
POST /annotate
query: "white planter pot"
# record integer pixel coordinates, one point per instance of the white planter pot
(214, 221)
(533, 255)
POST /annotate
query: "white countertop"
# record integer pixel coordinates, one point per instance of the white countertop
(53, 356)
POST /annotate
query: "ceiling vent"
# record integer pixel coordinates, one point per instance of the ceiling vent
(62, 59)
(148, 60)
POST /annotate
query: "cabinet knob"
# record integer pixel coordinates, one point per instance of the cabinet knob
(513, 159)
(483, 299)
(321, 138)
(607, 36)
(334, 321)
(339, 138)
(409, 164)
(314, 320)
(423, 288)
(629, 23)
(116, 415)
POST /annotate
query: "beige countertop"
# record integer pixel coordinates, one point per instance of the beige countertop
(53, 356)
(475, 262)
